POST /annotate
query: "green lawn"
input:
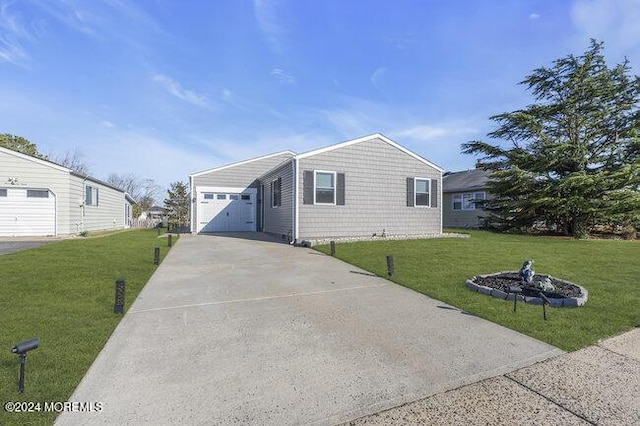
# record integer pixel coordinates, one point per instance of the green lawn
(63, 293)
(610, 270)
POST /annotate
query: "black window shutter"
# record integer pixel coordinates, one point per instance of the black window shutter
(434, 193)
(340, 190)
(307, 187)
(410, 195)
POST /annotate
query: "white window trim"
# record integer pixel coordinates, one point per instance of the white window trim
(315, 186)
(273, 206)
(462, 203)
(94, 196)
(415, 192)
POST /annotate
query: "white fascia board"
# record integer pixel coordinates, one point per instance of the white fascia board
(34, 159)
(217, 169)
(368, 138)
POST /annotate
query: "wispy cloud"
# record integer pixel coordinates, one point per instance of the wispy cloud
(176, 89)
(107, 124)
(12, 35)
(533, 16)
(282, 76)
(266, 13)
(427, 132)
(378, 76)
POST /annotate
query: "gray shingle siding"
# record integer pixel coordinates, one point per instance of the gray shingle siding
(279, 220)
(375, 193)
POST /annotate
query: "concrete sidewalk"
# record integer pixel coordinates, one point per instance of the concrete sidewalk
(239, 331)
(596, 385)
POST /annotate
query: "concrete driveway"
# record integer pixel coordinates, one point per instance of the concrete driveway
(15, 245)
(238, 331)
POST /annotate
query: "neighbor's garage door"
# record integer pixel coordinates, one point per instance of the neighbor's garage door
(226, 210)
(27, 212)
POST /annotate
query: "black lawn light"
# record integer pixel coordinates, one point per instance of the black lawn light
(156, 256)
(118, 307)
(545, 302)
(516, 291)
(390, 266)
(333, 248)
(21, 350)
(169, 241)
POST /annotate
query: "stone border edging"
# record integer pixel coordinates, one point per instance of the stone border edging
(319, 241)
(566, 302)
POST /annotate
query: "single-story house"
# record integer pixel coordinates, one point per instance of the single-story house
(463, 193)
(42, 198)
(357, 188)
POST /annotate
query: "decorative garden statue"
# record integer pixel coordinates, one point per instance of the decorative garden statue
(527, 272)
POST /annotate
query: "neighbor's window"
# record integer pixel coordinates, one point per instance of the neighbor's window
(468, 201)
(91, 196)
(37, 193)
(234, 196)
(3, 192)
(325, 187)
(276, 193)
(422, 192)
(208, 196)
(245, 197)
(221, 197)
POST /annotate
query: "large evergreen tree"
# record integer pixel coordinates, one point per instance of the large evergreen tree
(574, 158)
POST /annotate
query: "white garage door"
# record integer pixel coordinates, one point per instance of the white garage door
(27, 212)
(226, 210)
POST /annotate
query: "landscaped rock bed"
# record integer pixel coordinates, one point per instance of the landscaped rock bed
(497, 285)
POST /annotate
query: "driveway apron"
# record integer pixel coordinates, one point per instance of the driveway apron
(240, 331)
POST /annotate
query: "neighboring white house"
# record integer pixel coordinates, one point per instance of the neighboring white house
(357, 188)
(41, 198)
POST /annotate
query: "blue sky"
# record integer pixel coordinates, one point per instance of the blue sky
(165, 88)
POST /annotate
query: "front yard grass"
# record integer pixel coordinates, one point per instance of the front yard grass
(609, 270)
(63, 293)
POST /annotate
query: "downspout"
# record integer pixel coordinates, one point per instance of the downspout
(83, 197)
(193, 204)
(441, 204)
(296, 194)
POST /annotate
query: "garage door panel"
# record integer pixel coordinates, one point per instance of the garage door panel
(226, 211)
(21, 215)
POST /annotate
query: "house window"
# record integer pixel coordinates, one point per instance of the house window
(208, 196)
(246, 197)
(325, 188)
(221, 196)
(468, 200)
(422, 192)
(234, 196)
(37, 193)
(276, 193)
(91, 196)
(3, 192)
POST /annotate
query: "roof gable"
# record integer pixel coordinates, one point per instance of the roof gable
(34, 159)
(365, 139)
(240, 163)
